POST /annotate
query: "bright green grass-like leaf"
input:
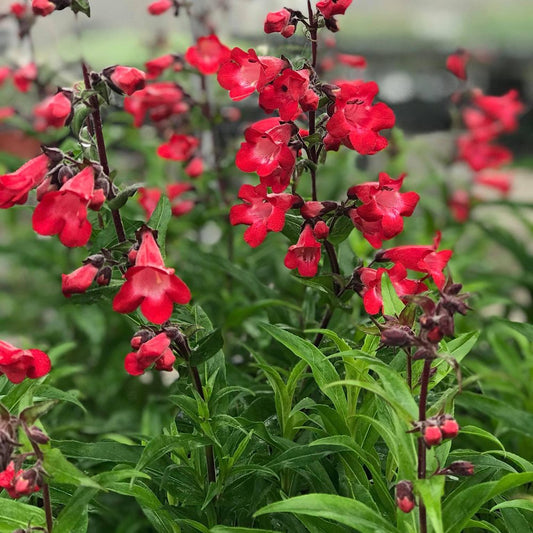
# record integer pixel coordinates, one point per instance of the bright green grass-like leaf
(53, 393)
(62, 471)
(229, 529)
(392, 305)
(160, 219)
(330, 506)
(431, 491)
(523, 328)
(525, 505)
(69, 517)
(15, 514)
(99, 451)
(478, 432)
(323, 371)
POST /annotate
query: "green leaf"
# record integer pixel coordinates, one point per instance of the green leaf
(523, 328)
(69, 516)
(323, 371)
(431, 491)
(525, 505)
(229, 529)
(160, 219)
(330, 506)
(62, 471)
(33, 413)
(81, 112)
(15, 514)
(341, 230)
(122, 197)
(81, 6)
(208, 347)
(99, 451)
(392, 305)
(478, 432)
(482, 524)
(53, 393)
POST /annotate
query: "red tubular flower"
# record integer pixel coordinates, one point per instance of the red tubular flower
(352, 60)
(480, 155)
(432, 436)
(79, 281)
(18, 364)
(52, 112)
(371, 280)
(266, 152)
(305, 254)
(18, 9)
(355, 121)
(208, 54)
(159, 7)
(290, 94)
(155, 350)
(64, 212)
(42, 7)
(421, 259)
(148, 198)
(380, 216)
(261, 211)
(504, 109)
(195, 167)
(14, 187)
(155, 67)
(150, 284)
(178, 148)
(18, 483)
(279, 22)
(501, 181)
(160, 100)
(245, 72)
(127, 79)
(179, 207)
(459, 205)
(330, 8)
(456, 63)
(5, 72)
(24, 77)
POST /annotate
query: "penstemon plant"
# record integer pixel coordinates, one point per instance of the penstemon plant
(322, 400)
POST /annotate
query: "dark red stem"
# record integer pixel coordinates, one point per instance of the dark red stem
(422, 405)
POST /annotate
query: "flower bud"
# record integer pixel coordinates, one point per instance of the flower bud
(397, 336)
(104, 276)
(432, 435)
(36, 435)
(140, 337)
(332, 25)
(449, 427)
(405, 499)
(459, 468)
(321, 230)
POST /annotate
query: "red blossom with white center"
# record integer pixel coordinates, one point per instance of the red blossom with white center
(79, 281)
(279, 22)
(159, 7)
(305, 254)
(155, 67)
(380, 216)
(42, 7)
(179, 147)
(501, 181)
(371, 280)
(261, 211)
(14, 187)
(179, 206)
(266, 152)
(245, 72)
(127, 79)
(18, 364)
(421, 259)
(24, 77)
(160, 100)
(352, 60)
(481, 154)
(330, 8)
(456, 63)
(18, 483)
(290, 94)
(52, 112)
(355, 122)
(64, 212)
(208, 54)
(150, 285)
(155, 350)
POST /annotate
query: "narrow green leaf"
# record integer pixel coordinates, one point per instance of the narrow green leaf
(99, 451)
(392, 305)
(62, 471)
(522, 327)
(330, 506)
(15, 514)
(33, 413)
(525, 505)
(478, 432)
(81, 6)
(160, 219)
(208, 347)
(122, 197)
(431, 491)
(229, 529)
(69, 517)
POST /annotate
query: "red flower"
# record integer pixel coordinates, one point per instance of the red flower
(503, 110)
(405, 499)
(279, 22)
(355, 121)
(371, 280)
(64, 212)
(14, 187)
(18, 9)
(380, 216)
(155, 67)
(208, 54)
(449, 427)
(155, 350)
(150, 284)
(178, 148)
(261, 211)
(42, 7)
(305, 254)
(195, 167)
(352, 60)
(24, 76)
(18, 483)
(161, 100)
(148, 198)
(501, 181)
(290, 94)
(6, 112)
(52, 112)
(79, 281)
(246, 72)
(481, 154)
(179, 207)
(266, 152)
(128, 79)
(330, 8)
(456, 63)
(459, 205)
(18, 364)
(421, 259)
(159, 7)
(5, 72)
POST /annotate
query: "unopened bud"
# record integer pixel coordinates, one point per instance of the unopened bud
(104, 276)
(405, 499)
(459, 468)
(397, 336)
(449, 427)
(432, 435)
(37, 435)
(64, 174)
(321, 230)
(140, 337)
(332, 24)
